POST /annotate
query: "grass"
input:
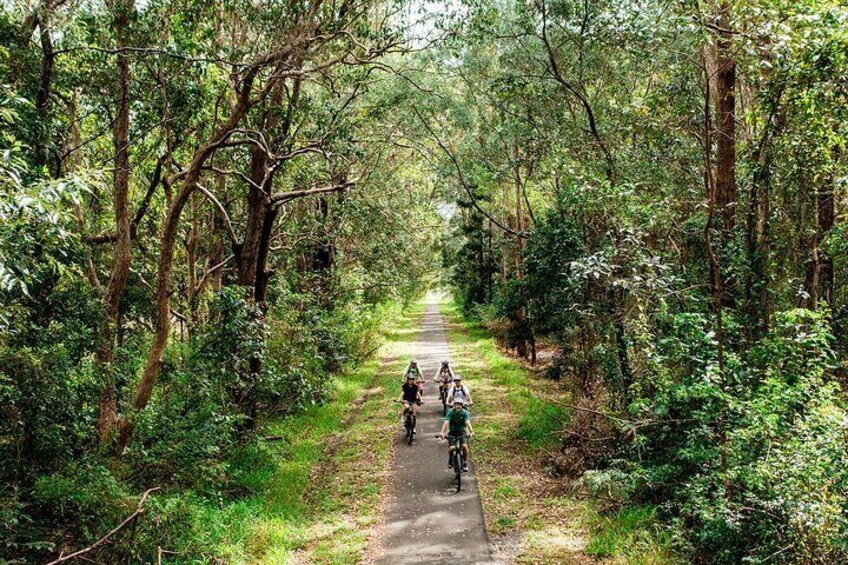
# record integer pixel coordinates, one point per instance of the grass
(530, 516)
(631, 535)
(314, 495)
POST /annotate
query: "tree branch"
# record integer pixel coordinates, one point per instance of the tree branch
(295, 194)
(461, 178)
(226, 217)
(104, 539)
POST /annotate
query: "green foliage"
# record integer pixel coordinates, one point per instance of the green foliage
(542, 423)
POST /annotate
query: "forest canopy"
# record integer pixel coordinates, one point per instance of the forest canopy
(209, 209)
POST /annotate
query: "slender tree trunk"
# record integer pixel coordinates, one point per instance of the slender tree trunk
(191, 266)
(756, 243)
(490, 271)
(827, 217)
(42, 97)
(726, 133)
(716, 282)
(507, 221)
(521, 313)
(725, 142)
(519, 215)
(247, 250)
(819, 279)
(122, 249)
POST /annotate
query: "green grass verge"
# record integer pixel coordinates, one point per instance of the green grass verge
(314, 492)
(631, 535)
(531, 517)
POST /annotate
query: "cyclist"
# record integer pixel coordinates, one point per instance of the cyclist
(459, 392)
(457, 423)
(444, 375)
(410, 396)
(413, 370)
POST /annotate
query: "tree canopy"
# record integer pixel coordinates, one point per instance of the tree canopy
(208, 208)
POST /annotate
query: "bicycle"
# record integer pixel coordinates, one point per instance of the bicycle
(457, 460)
(409, 422)
(443, 395)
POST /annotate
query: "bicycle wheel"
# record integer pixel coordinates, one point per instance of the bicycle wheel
(410, 429)
(457, 467)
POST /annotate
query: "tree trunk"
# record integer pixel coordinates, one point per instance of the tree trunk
(247, 251)
(42, 97)
(756, 249)
(819, 277)
(725, 183)
(122, 250)
(250, 405)
(521, 314)
(723, 74)
(827, 216)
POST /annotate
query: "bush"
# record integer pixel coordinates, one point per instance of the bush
(751, 466)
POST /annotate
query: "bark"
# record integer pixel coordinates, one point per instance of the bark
(489, 278)
(122, 250)
(260, 294)
(716, 282)
(819, 277)
(191, 265)
(725, 181)
(519, 217)
(42, 97)
(263, 273)
(521, 313)
(722, 78)
(247, 250)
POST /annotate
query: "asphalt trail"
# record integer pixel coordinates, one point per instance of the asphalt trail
(425, 520)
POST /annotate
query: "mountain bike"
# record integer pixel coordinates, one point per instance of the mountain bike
(457, 461)
(443, 395)
(409, 421)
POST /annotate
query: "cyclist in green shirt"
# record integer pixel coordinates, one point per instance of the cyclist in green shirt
(458, 425)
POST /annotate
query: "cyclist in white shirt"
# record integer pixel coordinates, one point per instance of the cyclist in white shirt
(458, 392)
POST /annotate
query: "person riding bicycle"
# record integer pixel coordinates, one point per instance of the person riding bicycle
(410, 395)
(459, 392)
(458, 425)
(444, 376)
(412, 369)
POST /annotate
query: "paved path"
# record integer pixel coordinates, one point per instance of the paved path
(426, 521)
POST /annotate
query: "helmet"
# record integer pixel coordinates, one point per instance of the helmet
(458, 401)
(413, 361)
(457, 377)
(445, 362)
(409, 376)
